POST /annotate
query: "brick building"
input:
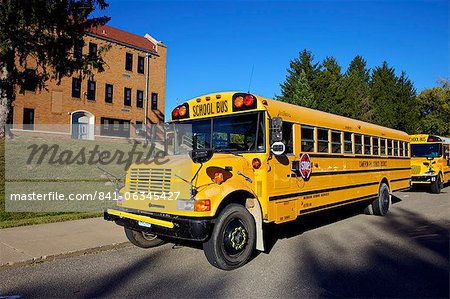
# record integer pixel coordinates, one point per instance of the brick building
(113, 102)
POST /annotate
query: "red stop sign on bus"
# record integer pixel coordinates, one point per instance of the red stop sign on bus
(305, 166)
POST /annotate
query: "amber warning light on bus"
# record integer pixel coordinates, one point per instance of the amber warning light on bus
(243, 101)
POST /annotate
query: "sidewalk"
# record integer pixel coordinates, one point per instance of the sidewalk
(27, 244)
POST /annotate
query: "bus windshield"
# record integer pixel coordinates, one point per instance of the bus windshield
(233, 133)
(428, 150)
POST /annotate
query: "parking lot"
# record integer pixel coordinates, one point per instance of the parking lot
(341, 253)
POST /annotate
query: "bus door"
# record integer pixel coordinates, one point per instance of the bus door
(282, 181)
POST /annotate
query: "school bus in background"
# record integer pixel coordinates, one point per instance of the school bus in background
(261, 161)
(430, 161)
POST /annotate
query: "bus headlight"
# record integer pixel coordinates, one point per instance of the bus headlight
(185, 204)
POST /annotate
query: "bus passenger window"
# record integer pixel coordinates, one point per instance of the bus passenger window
(389, 147)
(288, 137)
(375, 145)
(348, 145)
(406, 149)
(383, 147)
(402, 152)
(307, 139)
(336, 143)
(396, 148)
(358, 144)
(367, 145)
(322, 136)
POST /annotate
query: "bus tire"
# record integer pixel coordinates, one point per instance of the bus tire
(232, 241)
(382, 203)
(141, 239)
(436, 186)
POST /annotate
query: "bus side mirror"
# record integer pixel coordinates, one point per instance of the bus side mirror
(201, 155)
(276, 129)
(278, 148)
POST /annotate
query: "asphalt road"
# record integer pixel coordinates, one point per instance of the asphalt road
(337, 254)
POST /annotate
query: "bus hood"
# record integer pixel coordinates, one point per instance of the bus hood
(163, 187)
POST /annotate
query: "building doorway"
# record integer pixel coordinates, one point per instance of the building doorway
(83, 125)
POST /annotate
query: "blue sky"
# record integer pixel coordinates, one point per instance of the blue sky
(213, 45)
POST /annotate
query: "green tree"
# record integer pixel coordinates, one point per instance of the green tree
(383, 93)
(355, 86)
(434, 107)
(329, 93)
(303, 64)
(37, 39)
(407, 110)
(301, 91)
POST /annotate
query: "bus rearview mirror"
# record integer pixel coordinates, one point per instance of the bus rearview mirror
(278, 148)
(277, 129)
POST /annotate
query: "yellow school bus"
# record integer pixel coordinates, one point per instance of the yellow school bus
(257, 161)
(430, 161)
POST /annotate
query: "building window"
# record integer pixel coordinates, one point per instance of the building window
(127, 96)
(322, 136)
(140, 69)
(91, 90)
(28, 119)
(92, 49)
(114, 127)
(307, 139)
(358, 144)
(30, 80)
(348, 145)
(138, 127)
(336, 142)
(76, 87)
(140, 99)
(129, 62)
(154, 101)
(78, 50)
(109, 93)
(367, 145)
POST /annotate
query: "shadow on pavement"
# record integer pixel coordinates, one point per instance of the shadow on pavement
(415, 266)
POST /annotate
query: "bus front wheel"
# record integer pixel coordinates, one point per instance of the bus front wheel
(436, 186)
(232, 240)
(141, 239)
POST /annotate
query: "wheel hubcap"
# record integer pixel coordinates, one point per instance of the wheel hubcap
(235, 237)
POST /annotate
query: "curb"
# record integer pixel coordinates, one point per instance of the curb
(39, 260)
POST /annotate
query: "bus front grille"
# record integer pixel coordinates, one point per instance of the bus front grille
(150, 180)
(415, 169)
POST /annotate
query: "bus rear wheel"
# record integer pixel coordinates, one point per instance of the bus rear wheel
(380, 206)
(233, 238)
(141, 239)
(436, 186)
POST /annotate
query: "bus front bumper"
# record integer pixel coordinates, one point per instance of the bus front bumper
(193, 229)
(423, 179)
